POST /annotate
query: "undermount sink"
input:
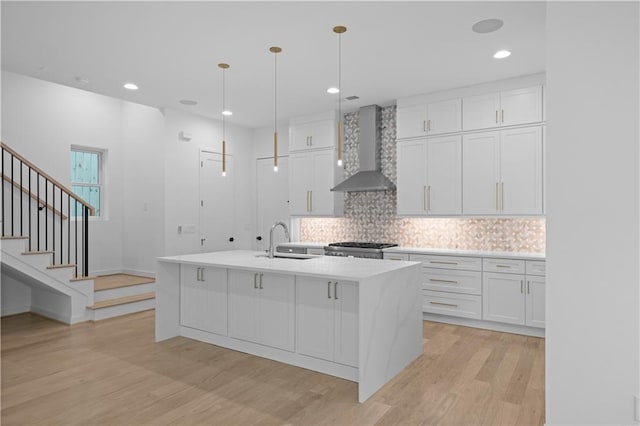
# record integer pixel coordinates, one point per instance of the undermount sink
(298, 257)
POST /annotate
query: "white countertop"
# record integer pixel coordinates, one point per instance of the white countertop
(310, 245)
(354, 269)
(475, 253)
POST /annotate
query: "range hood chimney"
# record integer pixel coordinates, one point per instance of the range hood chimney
(369, 177)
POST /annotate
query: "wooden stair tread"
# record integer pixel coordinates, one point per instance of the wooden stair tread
(123, 300)
(13, 237)
(88, 277)
(108, 282)
(28, 253)
(64, 265)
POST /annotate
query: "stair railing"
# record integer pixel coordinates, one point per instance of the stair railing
(33, 202)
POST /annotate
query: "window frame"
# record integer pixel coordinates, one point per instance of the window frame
(100, 213)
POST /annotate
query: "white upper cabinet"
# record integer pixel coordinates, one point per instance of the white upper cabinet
(313, 132)
(429, 176)
(429, 119)
(503, 172)
(312, 175)
(506, 108)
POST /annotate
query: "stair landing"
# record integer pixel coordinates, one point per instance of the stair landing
(108, 282)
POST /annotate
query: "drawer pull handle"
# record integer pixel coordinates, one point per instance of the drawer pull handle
(441, 262)
(444, 304)
(503, 266)
(328, 289)
(435, 280)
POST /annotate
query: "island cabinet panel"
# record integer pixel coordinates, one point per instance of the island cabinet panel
(203, 298)
(327, 319)
(261, 308)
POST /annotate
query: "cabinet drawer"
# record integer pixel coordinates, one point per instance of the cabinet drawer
(459, 305)
(466, 282)
(448, 262)
(536, 267)
(505, 266)
(396, 256)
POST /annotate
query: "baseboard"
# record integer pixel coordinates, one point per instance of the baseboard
(51, 315)
(486, 325)
(14, 310)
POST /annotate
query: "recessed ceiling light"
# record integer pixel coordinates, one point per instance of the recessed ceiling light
(487, 25)
(501, 54)
(188, 102)
(333, 90)
(227, 112)
(130, 86)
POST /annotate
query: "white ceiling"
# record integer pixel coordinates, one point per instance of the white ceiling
(171, 50)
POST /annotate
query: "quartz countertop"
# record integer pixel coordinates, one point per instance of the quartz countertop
(474, 253)
(354, 269)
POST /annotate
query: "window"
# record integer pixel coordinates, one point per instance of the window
(86, 175)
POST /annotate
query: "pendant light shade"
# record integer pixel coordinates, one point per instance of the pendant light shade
(224, 67)
(340, 30)
(275, 50)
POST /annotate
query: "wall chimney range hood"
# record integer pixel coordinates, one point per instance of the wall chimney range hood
(369, 177)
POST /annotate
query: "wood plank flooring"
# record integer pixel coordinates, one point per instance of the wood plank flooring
(113, 373)
(107, 282)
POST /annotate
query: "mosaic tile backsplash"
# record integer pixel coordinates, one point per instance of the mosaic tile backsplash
(371, 216)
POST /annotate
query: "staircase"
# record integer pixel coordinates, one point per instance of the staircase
(45, 246)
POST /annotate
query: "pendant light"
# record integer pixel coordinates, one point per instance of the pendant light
(340, 30)
(275, 50)
(224, 67)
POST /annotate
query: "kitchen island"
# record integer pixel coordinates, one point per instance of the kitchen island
(358, 319)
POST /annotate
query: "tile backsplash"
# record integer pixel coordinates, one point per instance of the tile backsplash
(371, 216)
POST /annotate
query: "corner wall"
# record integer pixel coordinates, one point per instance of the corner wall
(593, 213)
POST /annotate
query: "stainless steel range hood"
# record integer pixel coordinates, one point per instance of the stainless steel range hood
(369, 177)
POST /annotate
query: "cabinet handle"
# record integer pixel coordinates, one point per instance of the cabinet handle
(435, 280)
(424, 125)
(521, 286)
(335, 290)
(428, 125)
(261, 288)
(444, 304)
(503, 266)
(197, 274)
(503, 116)
(255, 280)
(311, 140)
(502, 193)
(442, 262)
(497, 189)
(528, 287)
(328, 289)
(202, 274)
(428, 198)
(496, 116)
(310, 201)
(424, 198)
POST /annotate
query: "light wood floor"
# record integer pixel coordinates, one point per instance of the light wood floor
(107, 282)
(112, 372)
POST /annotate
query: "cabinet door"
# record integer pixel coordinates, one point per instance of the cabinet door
(521, 106)
(324, 134)
(480, 112)
(324, 166)
(411, 121)
(444, 117)
(503, 298)
(192, 302)
(276, 317)
(535, 307)
(300, 136)
(300, 180)
(444, 175)
(243, 305)
(346, 323)
(412, 178)
(215, 281)
(521, 171)
(480, 173)
(314, 317)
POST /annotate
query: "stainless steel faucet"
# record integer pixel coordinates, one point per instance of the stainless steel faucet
(286, 234)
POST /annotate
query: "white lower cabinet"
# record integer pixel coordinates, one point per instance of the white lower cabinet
(535, 301)
(203, 298)
(327, 319)
(261, 308)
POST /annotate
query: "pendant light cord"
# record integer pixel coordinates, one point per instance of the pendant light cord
(275, 92)
(224, 105)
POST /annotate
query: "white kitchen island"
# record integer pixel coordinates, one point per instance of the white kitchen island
(358, 319)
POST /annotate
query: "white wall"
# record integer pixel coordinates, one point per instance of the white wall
(15, 296)
(182, 178)
(41, 121)
(593, 325)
